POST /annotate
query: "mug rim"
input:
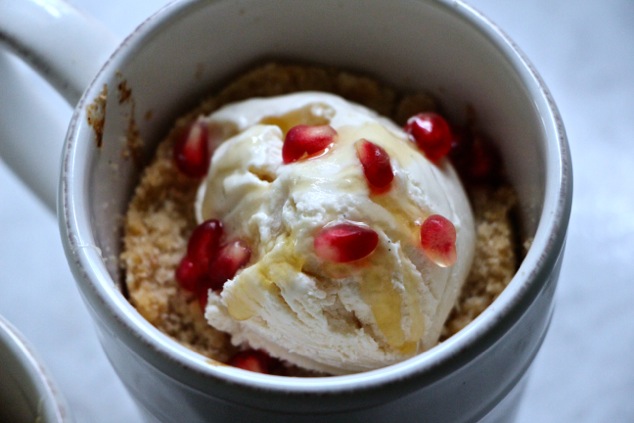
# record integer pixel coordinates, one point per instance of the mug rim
(101, 293)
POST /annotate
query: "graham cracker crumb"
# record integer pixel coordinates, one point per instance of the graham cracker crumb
(96, 115)
(495, 260)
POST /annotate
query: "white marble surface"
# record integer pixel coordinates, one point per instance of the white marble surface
(585, 372)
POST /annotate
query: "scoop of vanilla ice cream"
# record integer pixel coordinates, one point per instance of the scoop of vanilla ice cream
(336, 318)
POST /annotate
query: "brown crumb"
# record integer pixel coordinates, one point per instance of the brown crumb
(125, 92)
(96, 115)
(134, 142)
(495, 260)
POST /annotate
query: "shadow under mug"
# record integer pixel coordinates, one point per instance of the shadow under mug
(191, 47)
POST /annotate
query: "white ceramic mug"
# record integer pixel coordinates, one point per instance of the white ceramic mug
(191, 46)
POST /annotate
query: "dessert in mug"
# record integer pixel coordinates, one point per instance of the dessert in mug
(310, 221)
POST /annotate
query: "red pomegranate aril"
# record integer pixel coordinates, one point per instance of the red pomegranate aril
(431, 133)
(345, 242)
(202, 290)
(191, 150)
(231, 257)
(188, 274)
(376, 165)
(303, 141)
(475, 158)
(483, 164)
(252, 360)
(204, 242)
(438, 240)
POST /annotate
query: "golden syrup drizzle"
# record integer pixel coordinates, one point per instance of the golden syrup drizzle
(311, 114)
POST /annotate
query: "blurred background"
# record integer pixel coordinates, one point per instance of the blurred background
(584, 50)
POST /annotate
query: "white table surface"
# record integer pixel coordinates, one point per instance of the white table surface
(584, 50)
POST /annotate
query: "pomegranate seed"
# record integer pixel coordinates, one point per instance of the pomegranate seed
(376, 165)
(202, 290)
(188, 274)
(484, 161)
(431, 133)
(303, 141)
(252, 360)
(204, 242)
(230, 258)
(345, 242)
(438, 239)
(191, 150)
(202, 246)
(475, 158)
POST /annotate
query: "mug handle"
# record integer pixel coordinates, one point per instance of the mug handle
(64, 46)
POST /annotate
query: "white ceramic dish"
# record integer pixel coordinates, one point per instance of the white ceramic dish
(27, 393)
